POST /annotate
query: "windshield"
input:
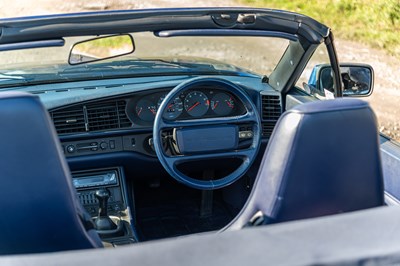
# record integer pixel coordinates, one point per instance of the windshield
(152, 56)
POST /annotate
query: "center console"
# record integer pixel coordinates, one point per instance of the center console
(107, 186)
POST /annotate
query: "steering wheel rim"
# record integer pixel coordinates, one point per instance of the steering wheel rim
(247, 155)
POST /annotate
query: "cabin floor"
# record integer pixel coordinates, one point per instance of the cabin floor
(170, 209)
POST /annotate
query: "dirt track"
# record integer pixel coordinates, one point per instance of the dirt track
(385, 99)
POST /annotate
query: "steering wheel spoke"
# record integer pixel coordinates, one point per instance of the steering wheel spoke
(242, 154)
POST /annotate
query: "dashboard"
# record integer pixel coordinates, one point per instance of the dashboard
(107, 126)
(112, 116)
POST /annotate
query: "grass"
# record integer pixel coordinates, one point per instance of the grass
(373, 22)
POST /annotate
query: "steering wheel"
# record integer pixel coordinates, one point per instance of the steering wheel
(207, 138)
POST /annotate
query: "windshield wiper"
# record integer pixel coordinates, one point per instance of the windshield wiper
(4, 77)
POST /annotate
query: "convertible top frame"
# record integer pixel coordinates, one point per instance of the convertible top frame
(36, 28)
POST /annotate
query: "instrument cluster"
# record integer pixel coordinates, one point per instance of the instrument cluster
(192, 104)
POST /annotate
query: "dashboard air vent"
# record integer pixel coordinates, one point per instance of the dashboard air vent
(107, 115)
(69, 120)
(271, 111)
(91, 117)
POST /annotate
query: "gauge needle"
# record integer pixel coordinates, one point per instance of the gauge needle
(229, 103)
(193, 106)
(170, 106)
(140, 110)
(153, 112)
(215, 105)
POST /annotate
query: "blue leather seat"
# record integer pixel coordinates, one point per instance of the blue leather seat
(323, 158)
(38, 203)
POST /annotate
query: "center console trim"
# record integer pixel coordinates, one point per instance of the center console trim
(125, 214)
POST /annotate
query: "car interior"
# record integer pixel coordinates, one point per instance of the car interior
(118, 152)
(284, 189)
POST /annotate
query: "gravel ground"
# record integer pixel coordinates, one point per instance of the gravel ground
(385, 99)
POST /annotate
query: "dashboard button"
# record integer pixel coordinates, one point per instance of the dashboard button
(103, 145)
(112, 144)
(245, 134)
(71, 148)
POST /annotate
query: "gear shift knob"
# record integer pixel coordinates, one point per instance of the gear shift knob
(103, 222)
(102, 196)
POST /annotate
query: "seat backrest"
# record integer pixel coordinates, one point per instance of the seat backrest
(38, 203)
(323, 158)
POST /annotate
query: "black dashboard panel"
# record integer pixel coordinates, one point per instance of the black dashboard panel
(138, 110)
(123, 122)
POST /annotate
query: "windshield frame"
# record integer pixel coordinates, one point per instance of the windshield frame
(232, 20)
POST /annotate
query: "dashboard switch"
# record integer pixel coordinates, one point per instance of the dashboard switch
(246, 134)
(103, 145)
(70, 148)
(112, 144)
(133, 142)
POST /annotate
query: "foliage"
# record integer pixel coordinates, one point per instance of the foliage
(374, 22)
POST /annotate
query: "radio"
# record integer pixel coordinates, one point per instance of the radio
(98, 179)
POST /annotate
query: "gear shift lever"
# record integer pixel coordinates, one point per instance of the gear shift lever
(103, 221)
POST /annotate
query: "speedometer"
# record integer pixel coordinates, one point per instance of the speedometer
(196, 104)
(174, 108)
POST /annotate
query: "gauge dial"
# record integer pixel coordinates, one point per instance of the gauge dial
(196, 104)
(222, 104)
(146, 110)
(174, 108)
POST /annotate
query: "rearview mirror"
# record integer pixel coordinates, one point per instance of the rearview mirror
(101, 48)
(358, 79)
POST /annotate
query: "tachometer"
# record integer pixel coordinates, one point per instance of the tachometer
(222, 104)
(174, 108)
(146, 110)
(196, 103)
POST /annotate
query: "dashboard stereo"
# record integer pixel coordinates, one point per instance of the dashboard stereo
(95, 180)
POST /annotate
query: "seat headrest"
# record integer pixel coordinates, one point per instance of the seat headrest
(322, 158)
(38, 201)
(328, 157)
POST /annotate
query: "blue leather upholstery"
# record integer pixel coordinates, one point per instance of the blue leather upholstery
(323, 158)
(39, 208)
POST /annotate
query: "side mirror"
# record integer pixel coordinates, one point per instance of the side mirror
(358, 79)
(101, 48)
